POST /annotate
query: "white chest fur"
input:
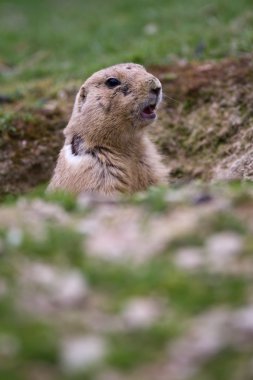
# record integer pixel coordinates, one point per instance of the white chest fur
(72, 159)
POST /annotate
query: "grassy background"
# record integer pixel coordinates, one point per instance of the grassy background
(70, 39)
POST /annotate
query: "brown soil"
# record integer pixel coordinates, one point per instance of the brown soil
(209, 124)
(204, 131)
(29, 148)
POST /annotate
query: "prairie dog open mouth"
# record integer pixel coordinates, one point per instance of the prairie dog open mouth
(148, 111)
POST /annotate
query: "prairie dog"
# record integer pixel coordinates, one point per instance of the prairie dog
(106, 147)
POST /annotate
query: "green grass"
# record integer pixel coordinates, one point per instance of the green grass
(68, 40)
(185, 294)
(228, 364)
(135, 348)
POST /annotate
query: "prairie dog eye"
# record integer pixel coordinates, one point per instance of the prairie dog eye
(112, 82)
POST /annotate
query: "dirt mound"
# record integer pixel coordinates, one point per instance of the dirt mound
(30, 141)
(204, 131)
(206, 125)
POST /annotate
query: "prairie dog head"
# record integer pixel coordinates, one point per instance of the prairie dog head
(114, 104)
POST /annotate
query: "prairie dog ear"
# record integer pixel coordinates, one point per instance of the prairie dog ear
(80, 98)
(79, 101)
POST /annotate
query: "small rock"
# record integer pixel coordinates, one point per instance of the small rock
(141, 313)
(206, 337)
(150, 29)
(81, 353)
(222, 248)
(66, 288)
(14, 236)
(72, 288)
(243, 322)
(49, 211)
(189, 258)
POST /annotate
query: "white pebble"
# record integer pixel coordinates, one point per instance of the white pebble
(72, 288)
(189, 258)
(14, 236)
(205, 338)
(243, 320)
(150, 29)
(222, 248)
(141, 313)
(81, 353)
(63, 287)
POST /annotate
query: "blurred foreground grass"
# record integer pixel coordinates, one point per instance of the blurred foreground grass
(82, 296)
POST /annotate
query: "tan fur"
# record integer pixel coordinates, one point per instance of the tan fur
(106, 147)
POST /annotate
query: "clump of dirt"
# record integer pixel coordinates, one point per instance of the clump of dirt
(205, 128)
(206, 125)
(29, 146)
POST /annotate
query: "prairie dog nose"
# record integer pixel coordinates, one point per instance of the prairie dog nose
(155, 86)
(156, 90)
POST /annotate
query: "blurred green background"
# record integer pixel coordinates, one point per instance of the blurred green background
(70, 39)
